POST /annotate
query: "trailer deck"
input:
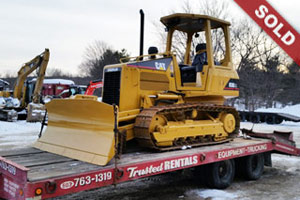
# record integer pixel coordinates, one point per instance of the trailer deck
(268, 117)
(31, 173)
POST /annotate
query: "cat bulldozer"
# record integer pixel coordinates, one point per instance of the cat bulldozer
(153, 99)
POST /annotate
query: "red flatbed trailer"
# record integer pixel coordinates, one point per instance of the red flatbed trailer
(26, 172)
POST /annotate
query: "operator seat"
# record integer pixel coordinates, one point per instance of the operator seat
(201, 57)
(191, 73)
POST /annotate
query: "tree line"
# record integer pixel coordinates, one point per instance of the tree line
(267, 76)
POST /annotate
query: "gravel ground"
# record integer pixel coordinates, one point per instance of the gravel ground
(278, 182)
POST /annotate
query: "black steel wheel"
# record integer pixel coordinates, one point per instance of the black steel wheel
(252, 166)
(278, 120)
(255, 118)
(220, 174)
(270, 120)
(243, 117)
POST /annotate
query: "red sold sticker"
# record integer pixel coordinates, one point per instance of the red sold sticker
(274, 25)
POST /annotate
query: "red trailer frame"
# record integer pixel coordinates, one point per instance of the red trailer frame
(17, 182)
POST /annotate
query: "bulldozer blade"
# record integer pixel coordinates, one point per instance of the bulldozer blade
(81, 129)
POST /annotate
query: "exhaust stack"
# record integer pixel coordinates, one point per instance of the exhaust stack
(142, 32)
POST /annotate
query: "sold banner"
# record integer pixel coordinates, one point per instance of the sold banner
(274, 25)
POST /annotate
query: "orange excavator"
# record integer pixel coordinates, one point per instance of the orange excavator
(92, 86)
(82, 89)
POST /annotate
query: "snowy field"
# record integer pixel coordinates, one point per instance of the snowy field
(18, 134)
(279, 182)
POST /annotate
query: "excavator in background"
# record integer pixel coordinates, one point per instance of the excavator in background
(153, 99)
(20, 100)
(81, 89)
(92, 86)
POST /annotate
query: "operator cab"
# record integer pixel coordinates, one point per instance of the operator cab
(206, 38)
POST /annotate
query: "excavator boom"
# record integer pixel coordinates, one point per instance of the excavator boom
(39, 63)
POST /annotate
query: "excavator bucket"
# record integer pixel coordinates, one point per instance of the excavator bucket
(79, 128)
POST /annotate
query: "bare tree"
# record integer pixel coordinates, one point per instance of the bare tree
(54, 72)
(92, 55)
(218, 9)
(259, 64)
(96, 56)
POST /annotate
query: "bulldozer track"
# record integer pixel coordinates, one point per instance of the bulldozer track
(143, 122)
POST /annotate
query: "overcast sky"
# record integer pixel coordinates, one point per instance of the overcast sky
(67, 27)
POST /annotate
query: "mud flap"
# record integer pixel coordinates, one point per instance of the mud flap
(81, 129)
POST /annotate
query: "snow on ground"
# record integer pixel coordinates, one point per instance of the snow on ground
(18, 134)
(213, 193)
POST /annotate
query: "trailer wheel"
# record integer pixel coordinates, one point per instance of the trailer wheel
(255, 119)
(270, 120)
(252, 166)
(220, 174)
(243, 117)
(278, 120)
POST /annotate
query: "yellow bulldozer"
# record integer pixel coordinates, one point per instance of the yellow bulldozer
(153, 99)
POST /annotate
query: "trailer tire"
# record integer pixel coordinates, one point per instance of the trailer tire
(243, 117)
(278, 120)
(200, 174)
(252, 166)
(255, 119)
(220, 174)
(270, 120)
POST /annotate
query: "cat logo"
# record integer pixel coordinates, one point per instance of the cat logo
(160, 66)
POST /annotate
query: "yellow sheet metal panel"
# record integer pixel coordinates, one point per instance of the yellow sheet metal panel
(81, 129)
(154, 81)
(129, 89)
